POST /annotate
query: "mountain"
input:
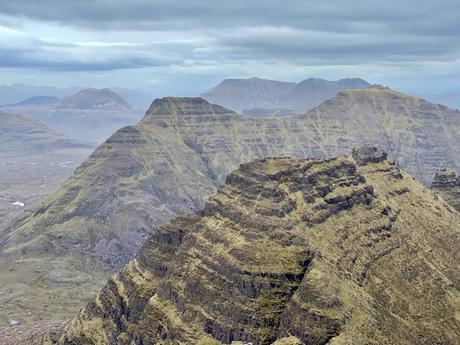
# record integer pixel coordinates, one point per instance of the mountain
(170, 162)
(338, 251)
(94, 99)
(21, 134)
(15, 93)
(37, 100)
(312, 92)
(10, 94)
(34, 161)
(239, 94)
(447, 184)
(260, 96)
(90, 114)
(450, 99)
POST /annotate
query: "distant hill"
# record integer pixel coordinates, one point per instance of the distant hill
(90, 114)
(239, 94)
(34, 161)
(94, 99)
(21, 134)
(37, 100)
(256, 96)
(16, 93)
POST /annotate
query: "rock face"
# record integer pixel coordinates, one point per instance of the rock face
(347, 250)
(447, 184)
(175, 158)
(260, 97)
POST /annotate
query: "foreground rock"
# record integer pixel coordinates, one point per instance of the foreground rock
(341, 251)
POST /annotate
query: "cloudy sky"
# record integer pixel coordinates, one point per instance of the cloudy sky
(184, 47)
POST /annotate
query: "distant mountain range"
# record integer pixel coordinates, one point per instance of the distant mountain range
(271, 97)
(90, 114)
(16, 93)
(36, 100)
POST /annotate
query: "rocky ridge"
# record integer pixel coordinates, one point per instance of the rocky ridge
(291, 251)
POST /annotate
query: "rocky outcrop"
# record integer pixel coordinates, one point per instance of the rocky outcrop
(447, 184)
(290, 252)
(183, 150)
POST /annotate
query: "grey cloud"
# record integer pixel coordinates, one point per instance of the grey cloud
(332, 15)
(236, 37)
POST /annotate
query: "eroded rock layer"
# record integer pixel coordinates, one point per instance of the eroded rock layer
(347, 250)
(447, 184)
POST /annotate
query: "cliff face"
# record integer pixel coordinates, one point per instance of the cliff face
(447, 184)
(174, 159)
(340, 251)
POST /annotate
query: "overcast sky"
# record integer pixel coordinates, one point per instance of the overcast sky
(173, 47)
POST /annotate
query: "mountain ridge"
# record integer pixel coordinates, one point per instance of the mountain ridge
(290, 251)
(245, 95)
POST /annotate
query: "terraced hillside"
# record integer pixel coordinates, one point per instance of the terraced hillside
(348, 250)
(177, 156)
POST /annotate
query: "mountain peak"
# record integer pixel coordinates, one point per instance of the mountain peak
(185, 106)
(95, 99)
(303, 250)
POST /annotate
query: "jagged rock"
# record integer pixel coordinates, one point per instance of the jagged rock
(357, 264)
(447, 184)
(368, 154)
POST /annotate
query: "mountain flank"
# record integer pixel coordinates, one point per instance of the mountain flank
(291, 251)
(171, 161)
(34, 161)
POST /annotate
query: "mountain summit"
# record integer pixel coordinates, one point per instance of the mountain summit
(95, 99)
(289, 251)
(268, 96)
(184, 106)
